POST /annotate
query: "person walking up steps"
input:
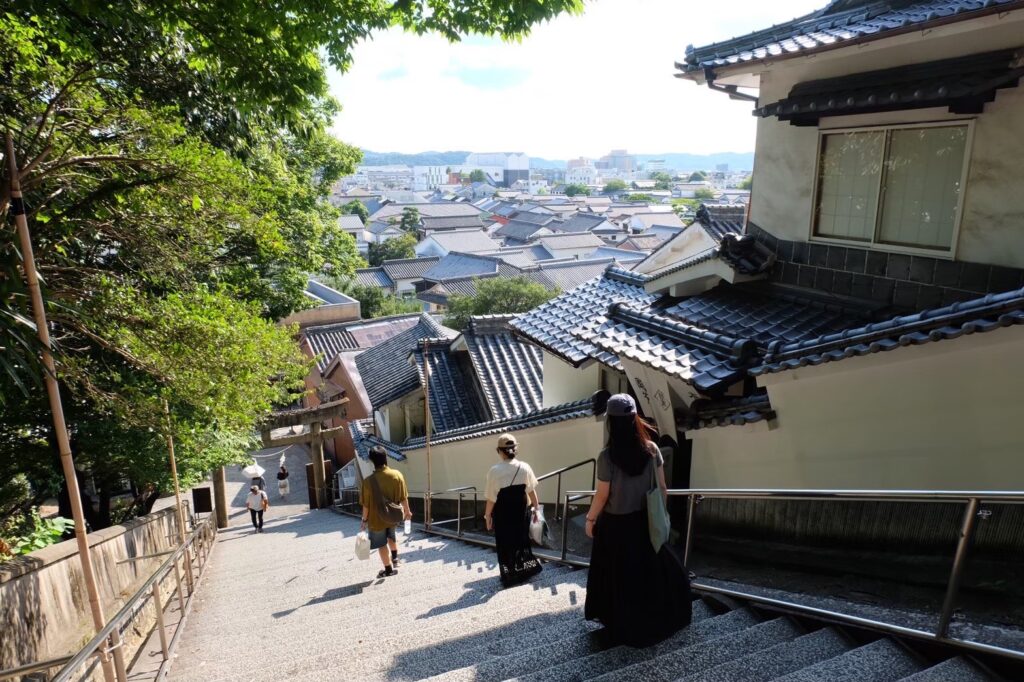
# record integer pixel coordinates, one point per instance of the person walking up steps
(509, 484)
(256, 502)
(385, 502)
(283, 488)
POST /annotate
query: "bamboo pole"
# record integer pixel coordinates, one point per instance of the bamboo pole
(177, 497)
(427, 518)
(57, 410)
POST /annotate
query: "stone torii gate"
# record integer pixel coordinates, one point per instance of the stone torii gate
(315, 436)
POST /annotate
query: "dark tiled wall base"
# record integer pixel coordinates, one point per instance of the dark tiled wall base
(898, 279)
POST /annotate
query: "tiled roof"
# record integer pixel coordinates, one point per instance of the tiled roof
(451, 222)
(518, 230)
(582, 240)
(381, 226)
(642, 243)
(542, 417)
(842, 21)
(466, 241)
(964, 84)
(620, 255)
(408, 268)
(719, 221)
(703, 359)
(453, 402)
(566, 275)
(458, 265)
(373, 277)
(427, 209)
(661, 219)
(950, 322)
(550, 325)
(331, 339)
(385, 369)
(706, 414)
(363, 439)
(510, 371)
(534, 218)
(744, 254)
(581, 222)
(350, 222)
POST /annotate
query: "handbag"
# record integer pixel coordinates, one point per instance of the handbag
(362, 545)
(658, 525)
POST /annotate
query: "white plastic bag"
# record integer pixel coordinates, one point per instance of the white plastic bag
(539, 528)
(362, 546)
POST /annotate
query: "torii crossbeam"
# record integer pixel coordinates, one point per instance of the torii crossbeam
(315, 436)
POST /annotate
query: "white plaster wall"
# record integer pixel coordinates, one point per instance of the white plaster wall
(564, 383)
(545, 448)
(941, 416)
(689, 242)
(428, 247)
(992, 222)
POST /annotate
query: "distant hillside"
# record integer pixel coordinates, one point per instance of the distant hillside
(421, 159)
(736, 160)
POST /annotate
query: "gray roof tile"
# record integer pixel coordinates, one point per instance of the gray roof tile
(330, 339)
(510, 371)
(363, 439)
(408, 268)
(541, 417)
(373, 277)
(706, 414)
(453, 397)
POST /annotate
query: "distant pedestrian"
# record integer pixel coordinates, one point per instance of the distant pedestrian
(639, 596)
(511, 483)
(256, 502)
(385, 502)
(259, 482)
(283, 488)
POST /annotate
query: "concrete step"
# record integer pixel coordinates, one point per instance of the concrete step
(954, 670)
(704, 621)
(880, 661)
(705, 654)
(778, 660)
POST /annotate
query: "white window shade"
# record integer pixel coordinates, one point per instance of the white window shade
(922, 186)
(851, 164)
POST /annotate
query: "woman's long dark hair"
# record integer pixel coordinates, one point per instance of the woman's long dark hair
(627, 443)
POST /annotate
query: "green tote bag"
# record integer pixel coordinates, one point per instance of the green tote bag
(657, 514)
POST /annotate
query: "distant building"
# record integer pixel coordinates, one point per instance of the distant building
(428, 177)
(501, 167)
(722, 168)
(620, 160)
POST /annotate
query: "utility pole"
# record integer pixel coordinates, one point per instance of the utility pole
(59, 425)
(426, 413)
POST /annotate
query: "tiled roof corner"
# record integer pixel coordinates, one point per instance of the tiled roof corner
(363, 439)
(706, 414)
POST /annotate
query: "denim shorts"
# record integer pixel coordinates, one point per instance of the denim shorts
(379, 538)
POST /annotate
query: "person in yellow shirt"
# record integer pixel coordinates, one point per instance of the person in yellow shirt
(391, 486)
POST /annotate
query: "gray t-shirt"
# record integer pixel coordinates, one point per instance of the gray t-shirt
(627, 492)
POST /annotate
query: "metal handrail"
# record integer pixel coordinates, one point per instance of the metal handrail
(145, 592)
(461, 491)
(972, 500)
(558, 472)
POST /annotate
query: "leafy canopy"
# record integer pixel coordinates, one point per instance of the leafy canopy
(614, 185)
(494, 296)
(392, 249)
(576, 188)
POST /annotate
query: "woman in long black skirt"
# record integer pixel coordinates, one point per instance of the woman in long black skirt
(641, 597)
(509, 484)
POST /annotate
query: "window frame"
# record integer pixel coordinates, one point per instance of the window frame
(874, 244)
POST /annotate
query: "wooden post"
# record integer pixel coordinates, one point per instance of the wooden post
(220, 497)
(177, 497)
(57, 411)
(427, 517)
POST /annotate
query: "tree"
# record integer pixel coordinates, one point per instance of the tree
(356, 207)
(494, 296)
(410, 220)
(697, 176)
(477, 176)
(614, 185)
(377, 302)
(704, 193)
(575, 188)
(396, 247)
(747, 182)
(662, 180)
(640, 197)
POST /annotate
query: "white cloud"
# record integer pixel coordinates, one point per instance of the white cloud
(578, 85)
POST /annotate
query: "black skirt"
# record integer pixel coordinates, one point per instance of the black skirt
(639, 596)
(512, 536)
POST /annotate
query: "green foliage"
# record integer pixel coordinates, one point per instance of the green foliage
(496, 296)
(410, 220)
(477, 176)
(697, 176)
(662, 180)
(747, 182)
(356, 207)
(377, 302)
(394, 248)
(25, 533)
(640, 197)
(685, 207)
(704, 193)
(614, 185)
(576, 188)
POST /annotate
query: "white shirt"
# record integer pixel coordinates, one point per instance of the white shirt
(255, 500)
(502, 473)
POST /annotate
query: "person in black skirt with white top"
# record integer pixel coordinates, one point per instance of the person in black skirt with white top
(510, 485)
(639, 596)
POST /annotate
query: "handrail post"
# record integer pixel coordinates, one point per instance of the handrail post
(458, 521)
(956, 574)
(160, 620)
(181, 594)
(558, 494)
(565, 525)
(691, 509)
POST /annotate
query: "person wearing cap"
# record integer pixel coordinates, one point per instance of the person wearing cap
(256, 502)
(511, 485)
(639, 596)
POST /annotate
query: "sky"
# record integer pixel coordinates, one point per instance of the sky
(577, 86)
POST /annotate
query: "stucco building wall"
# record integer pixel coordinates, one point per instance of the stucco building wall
(564, 383)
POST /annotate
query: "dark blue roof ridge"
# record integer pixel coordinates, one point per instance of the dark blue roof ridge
(964, 317)
(620, 274)
(705, 414)
(737, 350)
(541, 417)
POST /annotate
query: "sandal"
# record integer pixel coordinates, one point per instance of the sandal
(387, 572)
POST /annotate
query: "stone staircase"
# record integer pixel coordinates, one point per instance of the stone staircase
(294, 604)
